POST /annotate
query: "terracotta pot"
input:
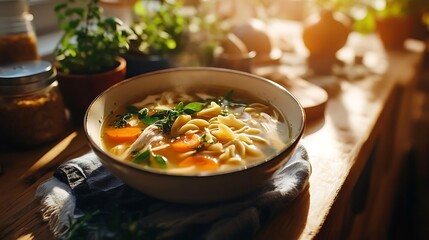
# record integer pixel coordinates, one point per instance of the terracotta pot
(326, 33)
(80, 90)
(393, 31)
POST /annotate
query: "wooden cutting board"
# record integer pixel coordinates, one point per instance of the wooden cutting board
(312, 97)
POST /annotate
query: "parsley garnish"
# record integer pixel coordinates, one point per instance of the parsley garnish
(203, 143)
(161, 161)
(145, 118)
(122, 120)
(142, 158)
(224, 112)
(164, 119)
(145, 157)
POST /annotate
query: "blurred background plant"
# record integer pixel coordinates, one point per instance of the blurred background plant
(364, 13)
(90, 43)
(172, 33)
(159, 26)
(205, 31)
(387, 8)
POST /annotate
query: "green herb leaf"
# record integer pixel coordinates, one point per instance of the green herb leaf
(164, 119)
(143, 158)
(179, 107)
(121, 120)
(143, 112)
(146, 119)
(161, 161)
(224, 112)
(193, 107)
(60, 7)
(204, 138)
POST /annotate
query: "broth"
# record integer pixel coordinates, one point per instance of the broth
(202, 132)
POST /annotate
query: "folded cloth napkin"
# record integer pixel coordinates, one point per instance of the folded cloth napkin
(84, 200)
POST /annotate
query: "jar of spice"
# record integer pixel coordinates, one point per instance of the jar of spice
(17, 36)
(32, 111)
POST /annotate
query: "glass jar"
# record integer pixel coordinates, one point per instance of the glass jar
(32, 111)
(17, 36)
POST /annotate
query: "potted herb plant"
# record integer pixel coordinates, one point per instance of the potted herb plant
(88, 56)
(398, 20)
(160, 32)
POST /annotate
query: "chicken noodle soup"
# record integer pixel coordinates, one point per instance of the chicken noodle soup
(196, 133)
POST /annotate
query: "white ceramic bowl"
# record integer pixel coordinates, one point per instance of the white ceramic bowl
(193, 189)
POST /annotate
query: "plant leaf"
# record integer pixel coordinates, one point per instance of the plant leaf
(193, 107)
(161, 161)
(142, 158)
(60, 7)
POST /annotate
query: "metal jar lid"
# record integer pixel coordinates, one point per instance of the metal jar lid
(26, 77)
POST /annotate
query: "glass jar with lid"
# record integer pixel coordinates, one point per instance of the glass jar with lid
(32, 111)
(17, 36)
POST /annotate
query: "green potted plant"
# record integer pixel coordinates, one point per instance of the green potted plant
(160, 32)
(398, 20)
(88, 56)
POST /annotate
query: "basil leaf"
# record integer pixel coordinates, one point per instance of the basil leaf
(143, 158)
(148, 120)
(161, 161)
(193, 107)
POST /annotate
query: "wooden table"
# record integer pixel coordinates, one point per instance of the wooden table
(356, 150)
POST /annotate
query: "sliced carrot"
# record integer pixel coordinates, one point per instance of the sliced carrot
(200, 162)
(186, 143)
(126, 134)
